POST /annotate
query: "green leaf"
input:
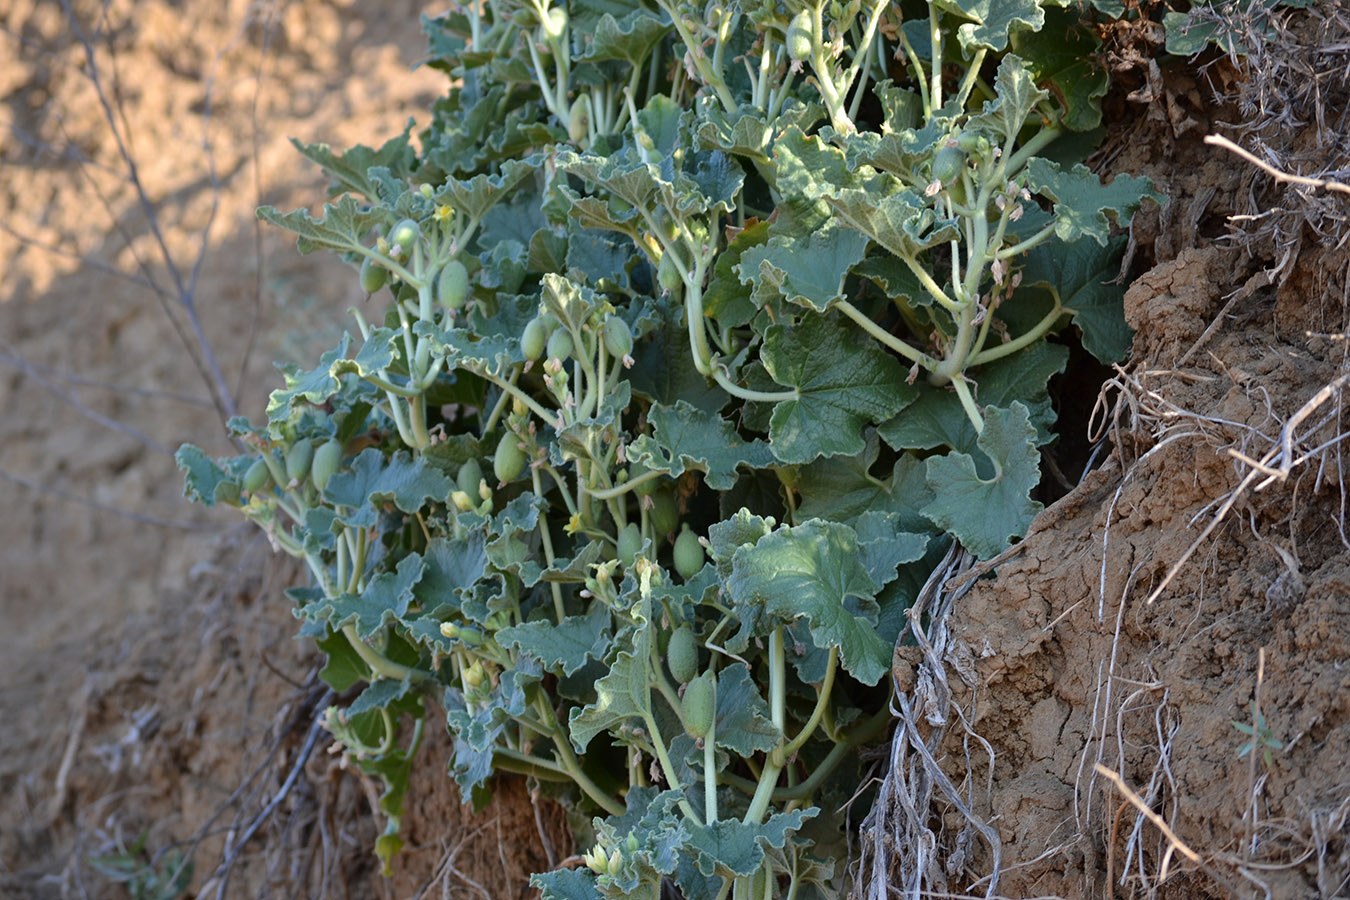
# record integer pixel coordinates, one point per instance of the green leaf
(373, 479)
(479, 194)
(379, 695)
(350, 171)
(810, 571)
(744, 723)
(340, 227)
(744, 529)
(808, 271)
(730, 847)
(844, 381)
(376, 353)
(566, 884)
(899, 221)
(204, 482)
(985, 513)
(994, 20)
(630, 39)
(684, 438)
(1083, 277)
(884, 545)
(1065, 54)
(1016, 97)
(843, 488)
(344, 667)
(1083, 203)
(384, 600)
(563, 647)
(453, 568)
(314, 386)
(937, 418)
(625, 692)
(726, 299)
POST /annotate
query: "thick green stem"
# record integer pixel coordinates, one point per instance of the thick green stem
(1037, 332)
(962, 388)
(378, 662)
(886, 337)
(753, 396)
(547, 540)
(822, 701)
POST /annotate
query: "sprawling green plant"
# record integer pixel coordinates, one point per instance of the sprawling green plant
(705, 330)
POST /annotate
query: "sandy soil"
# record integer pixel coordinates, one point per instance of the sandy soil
(153, 693)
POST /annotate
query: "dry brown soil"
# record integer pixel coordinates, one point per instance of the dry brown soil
(152, 690)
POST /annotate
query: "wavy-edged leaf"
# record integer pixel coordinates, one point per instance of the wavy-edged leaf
(624, 692)
(1016, 96)
(339, 228)
(843, 380)
(314, 386)
(900, 221)
(986, 513)
(1082, 203)
(810, 571)
(384, 600)
(730, 847)
(808, 271)
(563, 647)
(744, 723)
(993, 21)
(1064, 53)
(373, 478)
(1083, 276)
(685, 438)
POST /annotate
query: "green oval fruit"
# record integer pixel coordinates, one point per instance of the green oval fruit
(689, 556)
(665, 516)
(257, 476)
(559, 345)
(971, 142)
(533, 339)
(298, 458)
(698, 706)
(682, 654)
(405, 234)
(646, 488)
(509, 460)
(618, 337)
(452, 285)
(468, 477)
(373, 276)
(948, 163)
(326, 461)
(579, 119)
(667, 275)
(798, 40)
(630, 544)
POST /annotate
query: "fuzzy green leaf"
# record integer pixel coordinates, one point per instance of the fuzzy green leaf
(899, 221)
(808, 271)
(1083, 203)
(1064, 54)
(985, 513)
(730, 847)
(373, 479)
(1017, 94)
(744, 723)
(993, 21)
(630, 39)
(625, 692)
(340, 227)
(1083, 276)
(350, 171)
(566, 646)
(384, 600)
(844, 381)
(810, 571)
(314, 386)
(685, 438)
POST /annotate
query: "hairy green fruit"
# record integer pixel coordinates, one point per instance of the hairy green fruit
(667, 275)
(618, 337)
(579, 119)
(533, 339)
(682, 654)
(948, 164)
(630, 544)
(298, 459)
(468, 477)
(509, 460)
(556, 23)
(559, 345)
(664, 515)
(689, 556)
(257, 476)
(452, 286)
(698, 706)
(326, 461)
(405, 234)
(798, 38)
(373, 276)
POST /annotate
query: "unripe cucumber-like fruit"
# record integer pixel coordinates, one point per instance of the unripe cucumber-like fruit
(618, 337)
(646, 488)
(798, 38)
(667, 275)
(579, 119)
(689, 557)
(665, 516)
(509, 460)
(630, 544)
(698, 706)
(298, 459)
(948, 163)
(405, 234)
(468, 478)
(326, 461)
(533, 339)
(257, 476)
(971, 142)
(373, 276)
(682, 654)
(452, 285)
(559, 345)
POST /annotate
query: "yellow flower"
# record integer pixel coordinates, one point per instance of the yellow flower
(573, 524)
(444, 211)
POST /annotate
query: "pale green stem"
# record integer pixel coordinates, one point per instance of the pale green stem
(968, 402)
(378, 662)
(548, 417)
(547, 540)
(620, 490)
(754, 396)
(659, 748)
(886, 337)
(822, 701)
(1037, 332)
(1025, 245)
